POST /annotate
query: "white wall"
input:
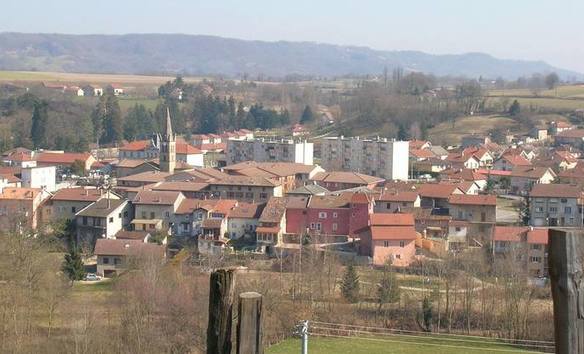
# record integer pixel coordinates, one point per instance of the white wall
(400, 160)
(39, 177)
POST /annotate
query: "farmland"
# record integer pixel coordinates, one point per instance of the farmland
(56, 77)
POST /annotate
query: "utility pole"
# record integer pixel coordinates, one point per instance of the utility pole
(302, 331)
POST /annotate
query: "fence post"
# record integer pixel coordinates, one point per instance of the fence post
(566, 258)
(221, 293)
(249, 327)
(304, 334)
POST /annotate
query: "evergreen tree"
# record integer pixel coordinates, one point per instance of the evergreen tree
(240, 116)
(515, 108)
(307, 115)
(138, 123)
(350, 284)
(107, 119)
(402, 133)
(525, 211)
(38, 130)
(73, 265)
(427, 314)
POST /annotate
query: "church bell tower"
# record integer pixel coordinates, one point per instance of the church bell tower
(168, 147)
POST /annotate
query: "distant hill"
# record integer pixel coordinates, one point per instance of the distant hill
(204, 55)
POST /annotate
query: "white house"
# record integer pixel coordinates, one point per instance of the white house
(39, 177)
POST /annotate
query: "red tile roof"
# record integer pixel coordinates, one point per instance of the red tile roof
(422, 153)
(396, 196)
(393, 233)
(156, 197)
(346, 177)
(137, 145)
(382, 219)
(77, 194)
(509, 233)
(555, 191)
(473, 199)
(107, 247)
(65, 158)
(538, 236)
(441, 191)
(20, 193)
(516, 160)
(186, 149)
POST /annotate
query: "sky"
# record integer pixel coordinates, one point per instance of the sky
(548, 30)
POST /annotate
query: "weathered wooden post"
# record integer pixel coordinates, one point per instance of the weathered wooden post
(566, 258)
(221, 294)
(249, 327)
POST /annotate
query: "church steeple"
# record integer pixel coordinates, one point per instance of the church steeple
(168, 147)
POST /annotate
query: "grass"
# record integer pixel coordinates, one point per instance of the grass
(564, 91)
(128, 102)
(104, 286)
(555, 104)
(446, 134)
(392, 344)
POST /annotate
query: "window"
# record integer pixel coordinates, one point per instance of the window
(553, 209)
(322, 215)
(535, 259)
(318, 226)
(535, 247)
(73, 209)
(152, 215)
(312, 226)
(151, 226)
(402, 243)
(539, 209)
(263, 195)
(117, 261)
(457, 228)
(335, 226)
(105, 260)
(398, 256)
(335, 215)
(388, 205)
(167, 214)
(85, 220)
(385, 243)
(564, 200)
(111, 219)
(568, 210)
(143, 215)
(483, 216)
(185, 226)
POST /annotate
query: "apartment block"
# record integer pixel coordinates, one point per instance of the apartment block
(379, 157)
(262, 150)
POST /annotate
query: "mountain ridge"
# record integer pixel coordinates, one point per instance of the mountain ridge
(186, 54)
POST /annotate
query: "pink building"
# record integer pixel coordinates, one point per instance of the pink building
(341, 214)
(390, 237)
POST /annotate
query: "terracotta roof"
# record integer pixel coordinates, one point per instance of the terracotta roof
(132, 163)
(77, 194)
(434, 190)
(516, 160)
(10, 193)
(247, 211)
(533, 172)
(108, 247)
(393, 233)
(186, 149)
(555, 191)
(66, 158)
(422, 153)
(246, 181)
(297, 202)
(417, 144)
(179, 186)
(309, 189)
(465, 174)
(148, 176)
(383, 219)
(538, 236)
(131, 235)
(346, 177)
(501, 173)
(10, 178)
(473, 199)
(396, 196)
(212, 223)
(215, 147)
(156, 197)
(274, 211)
(19, 156)
(281, 169)
(138, 145)
(509, 233)
(332, 201)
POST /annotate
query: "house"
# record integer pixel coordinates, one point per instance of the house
(417, 155)
(142, 179)
(466, 175)
(508, 161)
(308, 190)
(64, 160)
(39, 177)
(526, 245)
(243, 219)
(271, 225)
(66, 202)
(116, 255)
(246, 189)
(559, 127)
(419, 144)
(117, 89)
(389, 238)
(483, 155)
(556, 205)
(190, 189)
(330, 215)
(155, 210)
(435, 196)
(101, 219)
(539, 133)
(290, 175)
(479, 211)
(460, 160)
(21, 207)
(129, 167)
(143, 236)
(299, 130)
(339, 180)
(392, 201)
(192, 213)
(573, 137)
(262, 150)
(524, 177)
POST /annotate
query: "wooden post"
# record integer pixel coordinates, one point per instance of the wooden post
(249, 327)
(566, 258)
(221, 294)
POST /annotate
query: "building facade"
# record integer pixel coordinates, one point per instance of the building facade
(261, 150)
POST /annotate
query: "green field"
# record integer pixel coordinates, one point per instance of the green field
(445, 133)
(391, 345)
(565, 91)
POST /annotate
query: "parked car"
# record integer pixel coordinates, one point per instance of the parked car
(91, 277)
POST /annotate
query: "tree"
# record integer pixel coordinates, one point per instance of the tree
(551, 80)
(388, 291)
(39, 124)
(107, 120)
(350, 284)
(138, 123)
(515, 108)
(525, 211)
(73, 265)
(78, 168)
(427, 314)
(307, 115)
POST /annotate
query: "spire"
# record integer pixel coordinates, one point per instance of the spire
(168, 127)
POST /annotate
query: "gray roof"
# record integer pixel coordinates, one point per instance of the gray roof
(100, 208)
(310, 189)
